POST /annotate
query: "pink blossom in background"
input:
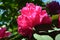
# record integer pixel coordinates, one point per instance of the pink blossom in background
(7, 34)
(4, 33)
(31, 15)
(53, 7)
(59, 21)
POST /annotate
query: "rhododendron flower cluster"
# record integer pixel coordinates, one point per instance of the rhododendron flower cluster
(4, 33)
(53, 7)
(31, 15)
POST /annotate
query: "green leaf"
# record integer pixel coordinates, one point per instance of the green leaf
(54, 17)
(38, 37)
(42, 37)
(46, 37)
(50, 31)
(23, 39)
(56, 29)
(55, 20)
(57, 37)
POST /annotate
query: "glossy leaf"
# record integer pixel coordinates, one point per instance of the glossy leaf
(57, 37)
(42, 37)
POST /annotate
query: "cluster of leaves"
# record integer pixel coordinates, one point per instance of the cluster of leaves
(10, 11)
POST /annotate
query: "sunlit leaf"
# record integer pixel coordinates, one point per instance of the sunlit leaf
(42, 37)
(57, 37)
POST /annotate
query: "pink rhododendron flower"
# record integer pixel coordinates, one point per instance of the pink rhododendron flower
(31, 15)
(3, 32)
(59, 21)
(43, 14)
(24, 25)
(25, 32)
(24, 21)
(32, 12)
(44, 18)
